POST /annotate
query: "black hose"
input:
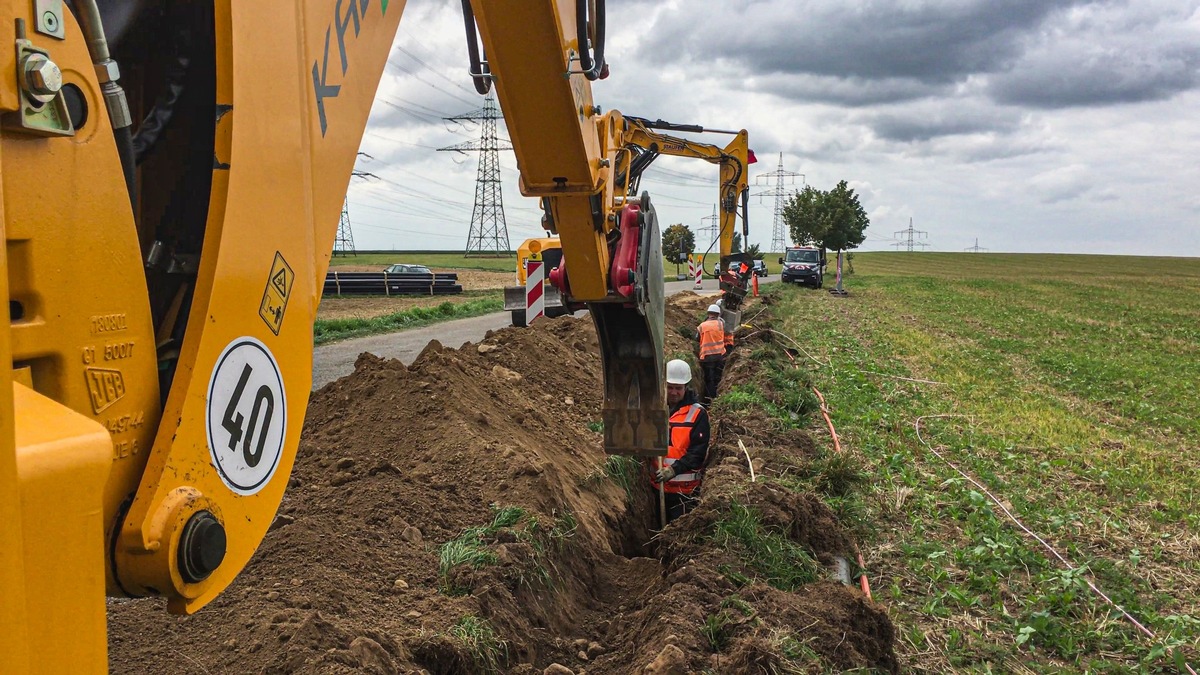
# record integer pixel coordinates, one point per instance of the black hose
(479, 73)
(746, 214)
(174, 80)
(592, 67)
(124, 138)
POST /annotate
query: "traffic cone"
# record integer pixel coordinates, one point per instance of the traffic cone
(754, 282)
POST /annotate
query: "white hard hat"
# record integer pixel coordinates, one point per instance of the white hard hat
(678, 372)
(714, 309)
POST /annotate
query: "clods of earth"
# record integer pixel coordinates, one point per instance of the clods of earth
(460, 516)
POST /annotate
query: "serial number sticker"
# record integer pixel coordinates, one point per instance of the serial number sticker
(246, 416)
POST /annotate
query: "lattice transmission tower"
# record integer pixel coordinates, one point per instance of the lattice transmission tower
(489, 233)
(910, 241)
(709, 231)
(976, 248)
(780, 237)
(344, 244)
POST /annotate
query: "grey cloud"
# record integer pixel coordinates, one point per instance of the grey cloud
(1111, 54)
(845, 91)
(920, 125)
(1069, 78)
(929, 42)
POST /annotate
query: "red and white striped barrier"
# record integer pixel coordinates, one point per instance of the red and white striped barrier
(698, 274)
(535, 299)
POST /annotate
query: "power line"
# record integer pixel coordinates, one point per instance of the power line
(709, 228)
(779, 237)
(344, 244)
(910, 241)
(489, 231)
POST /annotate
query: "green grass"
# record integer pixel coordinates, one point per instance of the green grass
(1078, 382)
(453, 260)
(488, 652)
(623, 470)
(332, 330)
(469, 548)
(442, 260)
(773, 557)
(473, 546)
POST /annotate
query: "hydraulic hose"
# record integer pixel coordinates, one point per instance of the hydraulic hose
(88, 15)
(479, 73)
(594, 68)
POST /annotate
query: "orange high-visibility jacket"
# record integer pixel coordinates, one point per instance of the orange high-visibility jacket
(713, 339)
(681, 423)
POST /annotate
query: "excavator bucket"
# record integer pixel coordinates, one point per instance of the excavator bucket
(631, 345)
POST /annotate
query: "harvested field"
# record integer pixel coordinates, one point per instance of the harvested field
(458, 516)
(371, 306)
(471, 280)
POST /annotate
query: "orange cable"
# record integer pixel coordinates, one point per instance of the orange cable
(837, 446)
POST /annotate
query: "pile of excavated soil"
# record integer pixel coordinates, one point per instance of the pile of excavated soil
(397, 461)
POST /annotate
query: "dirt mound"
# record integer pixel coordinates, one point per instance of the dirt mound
(459, 516)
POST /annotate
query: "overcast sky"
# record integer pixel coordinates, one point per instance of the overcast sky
(1032, 125)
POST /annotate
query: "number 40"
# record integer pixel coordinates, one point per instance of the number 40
(233, 419)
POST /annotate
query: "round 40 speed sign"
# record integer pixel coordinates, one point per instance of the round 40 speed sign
(246, 415)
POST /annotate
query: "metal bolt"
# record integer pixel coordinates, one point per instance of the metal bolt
(604, 162)
(596, 110)
(50, 21)
(201, 547)
(43, 79)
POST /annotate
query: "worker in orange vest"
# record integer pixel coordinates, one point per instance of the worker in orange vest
(682, 471)
(715, 343)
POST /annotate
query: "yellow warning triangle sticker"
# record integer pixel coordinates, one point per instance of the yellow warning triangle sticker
(280, 282)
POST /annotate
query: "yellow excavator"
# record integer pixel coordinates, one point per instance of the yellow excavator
(644, 143)
(172, 178)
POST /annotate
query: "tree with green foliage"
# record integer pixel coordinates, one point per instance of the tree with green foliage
(678, 241)
(805, 216)
(831, 219)
(736, 247)
(754, 252)
(847, 219)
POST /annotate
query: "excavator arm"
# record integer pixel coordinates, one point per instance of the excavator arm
(163, 276)
(645, 143)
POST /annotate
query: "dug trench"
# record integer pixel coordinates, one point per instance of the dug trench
(459, 516)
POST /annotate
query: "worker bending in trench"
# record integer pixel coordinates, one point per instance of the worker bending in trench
(682, 471)
(716, 341)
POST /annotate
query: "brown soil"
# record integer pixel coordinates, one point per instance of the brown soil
(395, 462)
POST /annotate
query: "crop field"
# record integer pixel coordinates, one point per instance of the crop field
(441, 260)
(1069, 388)
(453, 260)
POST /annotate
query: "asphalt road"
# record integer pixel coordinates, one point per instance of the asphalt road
(337, 359)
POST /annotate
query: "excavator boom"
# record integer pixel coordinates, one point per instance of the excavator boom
(644, 143)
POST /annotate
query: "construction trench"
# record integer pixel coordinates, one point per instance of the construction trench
(459, 516)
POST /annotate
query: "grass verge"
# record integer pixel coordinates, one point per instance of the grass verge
(332, 330)
(776, 559)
